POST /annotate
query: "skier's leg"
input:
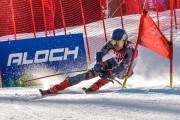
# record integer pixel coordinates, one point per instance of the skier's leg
(81, 77)
(70, 81)
(61, 86)
(96, 86)
(56, 88)
(108, 64)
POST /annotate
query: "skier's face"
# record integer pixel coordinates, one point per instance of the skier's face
(118, 44)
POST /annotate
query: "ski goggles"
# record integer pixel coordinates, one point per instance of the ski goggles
(118, 43)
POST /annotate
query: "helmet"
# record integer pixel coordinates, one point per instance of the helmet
(119, 34)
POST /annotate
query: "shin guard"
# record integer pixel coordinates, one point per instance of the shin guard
(63, 85)
(98, 84)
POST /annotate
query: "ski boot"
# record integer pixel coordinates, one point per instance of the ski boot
(87, 90)
(96, 86)
(44, 92)
(59, 87)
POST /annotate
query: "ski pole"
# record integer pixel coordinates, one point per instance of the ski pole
(51, 76)
(116, 81)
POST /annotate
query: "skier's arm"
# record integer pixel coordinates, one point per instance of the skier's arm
(113, 67)
(105, 49)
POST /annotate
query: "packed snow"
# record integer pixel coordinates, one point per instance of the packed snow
(147, 96)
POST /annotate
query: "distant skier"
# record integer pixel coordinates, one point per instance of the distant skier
(116, 66)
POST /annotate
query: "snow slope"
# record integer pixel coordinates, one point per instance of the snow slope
(147, 96)
(128, 104)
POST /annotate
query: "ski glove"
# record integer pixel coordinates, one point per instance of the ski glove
(105, 74)
(98, 68)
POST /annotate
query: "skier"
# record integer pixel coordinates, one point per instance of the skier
(116, 66)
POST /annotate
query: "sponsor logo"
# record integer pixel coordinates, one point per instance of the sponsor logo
(48, 55)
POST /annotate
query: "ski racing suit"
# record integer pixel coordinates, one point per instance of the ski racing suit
(118, 65)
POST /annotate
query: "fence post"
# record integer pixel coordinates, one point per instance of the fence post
(52, 15)
(140, 6)
(102, 17)
(44, 17)
(174, 9)
(13, 21)
(63, 19)
(84, 23)
(120, 11)
(32, 14)
(157, 11)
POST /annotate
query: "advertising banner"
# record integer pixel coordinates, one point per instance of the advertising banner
(23, 58)
(151, 5)
(161, 5)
